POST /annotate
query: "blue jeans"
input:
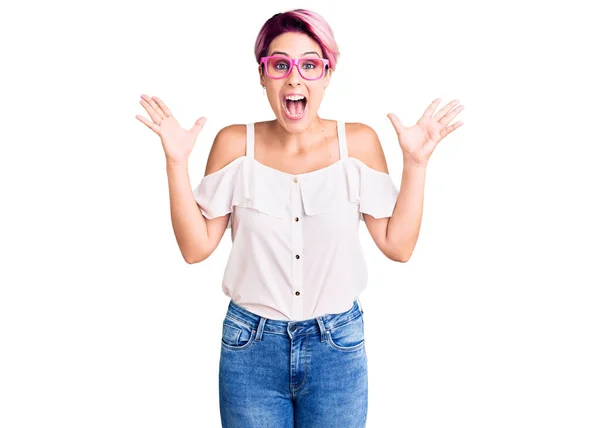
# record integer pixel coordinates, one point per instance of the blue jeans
(293, 374)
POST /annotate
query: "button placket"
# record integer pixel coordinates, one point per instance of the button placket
(297, 248)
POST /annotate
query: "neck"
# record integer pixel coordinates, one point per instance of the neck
(296, 142)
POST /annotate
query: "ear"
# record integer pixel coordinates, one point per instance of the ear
(261, 75)
(327, 77)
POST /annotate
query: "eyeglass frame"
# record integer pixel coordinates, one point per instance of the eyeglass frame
(294, 62)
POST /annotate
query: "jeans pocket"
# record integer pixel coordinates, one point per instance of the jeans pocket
(236, 335)
(347, 337)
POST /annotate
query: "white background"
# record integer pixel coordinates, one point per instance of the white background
(493, 322)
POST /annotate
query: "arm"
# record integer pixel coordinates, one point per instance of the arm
(405, 224)
(197, 236)
(395, 236)
(189, 225)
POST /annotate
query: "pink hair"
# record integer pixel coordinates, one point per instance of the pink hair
(301, 21)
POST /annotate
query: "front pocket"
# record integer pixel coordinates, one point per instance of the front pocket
(347, 337)
(236, 335)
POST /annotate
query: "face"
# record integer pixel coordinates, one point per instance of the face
(295, 116)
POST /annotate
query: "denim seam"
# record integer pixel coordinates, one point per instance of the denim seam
(305, 357)
(240, 347)
(345, 348)
(341, 325)
(239, 320)
(229, 315)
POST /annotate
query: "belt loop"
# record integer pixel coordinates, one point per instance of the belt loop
(260, 329)
(359, 305)
(322, 328)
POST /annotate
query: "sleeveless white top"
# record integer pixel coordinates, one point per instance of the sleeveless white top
(295, 250)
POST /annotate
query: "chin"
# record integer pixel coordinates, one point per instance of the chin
(294, 125)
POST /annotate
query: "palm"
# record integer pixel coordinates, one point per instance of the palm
(176, 141)
(418, 141)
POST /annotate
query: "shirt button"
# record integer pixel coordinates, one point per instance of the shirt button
(297, 293)
(296, 219)
(297, 256)
(295, 179)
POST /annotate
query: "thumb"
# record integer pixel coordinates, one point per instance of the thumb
(198, 125)
(396, 123)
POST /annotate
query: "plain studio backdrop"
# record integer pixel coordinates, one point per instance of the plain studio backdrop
(494, 321)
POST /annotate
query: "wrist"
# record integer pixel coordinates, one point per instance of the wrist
(176, 162)
(411, 163)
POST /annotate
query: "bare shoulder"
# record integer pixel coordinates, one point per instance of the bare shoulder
(262, 130)
(229, 144)
(364, 145)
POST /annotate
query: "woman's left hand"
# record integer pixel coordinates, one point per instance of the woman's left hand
(419, 141)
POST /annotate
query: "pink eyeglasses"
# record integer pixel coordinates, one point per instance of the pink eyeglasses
(310, 68)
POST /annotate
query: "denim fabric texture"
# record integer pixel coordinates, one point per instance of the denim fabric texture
(293, 374)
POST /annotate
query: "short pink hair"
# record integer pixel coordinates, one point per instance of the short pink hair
(301, 21)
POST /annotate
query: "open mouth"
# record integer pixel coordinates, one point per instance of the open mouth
(294, 106)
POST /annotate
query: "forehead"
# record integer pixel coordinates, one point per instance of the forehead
(294, 44)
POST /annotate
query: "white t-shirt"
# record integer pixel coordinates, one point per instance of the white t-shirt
(295, 250)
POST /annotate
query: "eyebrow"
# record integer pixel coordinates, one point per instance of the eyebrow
(305, 53)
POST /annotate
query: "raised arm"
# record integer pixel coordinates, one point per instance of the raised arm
(228, 145)
(197, 237)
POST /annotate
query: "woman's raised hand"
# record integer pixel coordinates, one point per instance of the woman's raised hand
(176, 141)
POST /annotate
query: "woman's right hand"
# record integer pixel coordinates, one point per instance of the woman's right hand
(176, 141)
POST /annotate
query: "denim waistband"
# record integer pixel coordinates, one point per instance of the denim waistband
(313, 325)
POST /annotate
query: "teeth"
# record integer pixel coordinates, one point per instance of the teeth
(294, 97)
(295, 116)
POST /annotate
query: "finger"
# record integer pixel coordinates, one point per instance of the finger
(396, 123)
(149, 124)
(449, 116)
(444, 132)
(440, 114)
(153, 115)
(155, 106)
(431, 108)
(163, 106)
(198, 126)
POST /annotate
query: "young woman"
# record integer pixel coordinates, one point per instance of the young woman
(293, 191)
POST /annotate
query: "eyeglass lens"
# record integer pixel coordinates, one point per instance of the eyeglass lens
(310, 68)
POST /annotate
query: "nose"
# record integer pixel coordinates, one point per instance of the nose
(294, 77)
